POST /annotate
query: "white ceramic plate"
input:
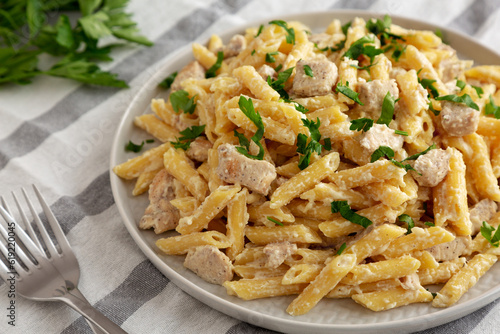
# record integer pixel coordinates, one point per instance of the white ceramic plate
(329, 316)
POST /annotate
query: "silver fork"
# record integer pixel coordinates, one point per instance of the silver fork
(38, 278)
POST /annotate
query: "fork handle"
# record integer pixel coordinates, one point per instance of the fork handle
(81, 305)
(94, 328)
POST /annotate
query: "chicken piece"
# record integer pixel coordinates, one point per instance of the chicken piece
(458, 119)
(380, 135)
(266, 71)
(324, 76)
(451, 250)
(160, 214)
(236, 44)
(209, 263)
(372, 94)
(433, 167)
(277, 253)
(192, 70)
(198, 149)
(234, 167)
(410, 282)
(482, 211)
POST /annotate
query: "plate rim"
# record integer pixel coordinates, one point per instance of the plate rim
(248, 315)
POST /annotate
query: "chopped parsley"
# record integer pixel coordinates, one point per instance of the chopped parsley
(464, 99)
(461, 84)
(340, 45)
(361, 124)
(188, 136)
(402, 133)
(367, 67)
(487, 232)
(358, 48)
(290, 37)
(299, 107)
(492, 109)
(342, 248)
(307, 149)
(347, 213)
(478, 90)
(415, 156)
(246, 106)
(261, 27)
(136, 148)
(270, 58)
(275, 221)
(398, 52)
(180, 101)
(386, 151)
(381, 28)
(279, 84)
(167, 82)
(327, 144)
(429, 85)
(326, 48)
(308, 71)
(439, 34)
(278, 68)
(211, 72)
(387, 110)
(253, 52)
(348, 92)
(409, 222)
(431, 224)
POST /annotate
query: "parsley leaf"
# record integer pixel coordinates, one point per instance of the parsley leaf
(409, 222)
(275, 221)
(429, 224)
(415, 156)
(381, 28)
(358, 48)
(386, 151)
(136, 148)
(348, 92)
(261, 27)
(478, 90)
(290, 37)
(439, 34)
(246, 106)
(308, 71)
(428, 84)
(188, 136)
(398, 52)
(487, 233)
(367, 67)
(300, 107)
(361, 124)
(342, 248)
(279, 84)
(167, 82)
(180, 101)
(327, 144)
(387, 110)
(270, 58)
(464, 99)
(492, 109)
(346, 212)
(210, 73)
(307, 149)
(461, 84)
(402, 133)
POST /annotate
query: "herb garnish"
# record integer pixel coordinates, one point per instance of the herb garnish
(429, 224)
(478, 90)
(342, 248)
(358, 48)
(167, 82)
(307, 149)
(386, 151)
(348, 92)
(299, 107)
(308, 71)
(246, 106)
(415, 156)
(492, 109)
(188, 136)
(461, 84)
(346, 212)
(409, 222)
(275, 221)
(136, 148)
(387, 110)
(279, 84)
(211, 72)
(464, 99)
(26, 35)
(487, 231)
(361, 124)
(270, 58)
(290, 37)
(428, 84)
(180, 101)
(260, 30)
(381, 28)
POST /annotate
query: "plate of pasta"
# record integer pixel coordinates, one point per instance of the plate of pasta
(322, 172)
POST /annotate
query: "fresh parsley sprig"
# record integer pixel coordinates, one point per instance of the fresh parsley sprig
(188, 136)
(180, 101)
(136, 148)
(308, 71)
(492, 109)
(246, 106)
(429, 85)
(361, 124)
(211, 72)
(307, 149)
(270, 57)
(464, 99)
(290, 37)
(275, 221)
(381, 29)
(387, 110)
(386, 151)
(409, 222)
(363, 46)
(347, 213)
(415, 156)
(279, 84)
(487, 232)
(168, 81)
(348, 92)
(77, 43)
